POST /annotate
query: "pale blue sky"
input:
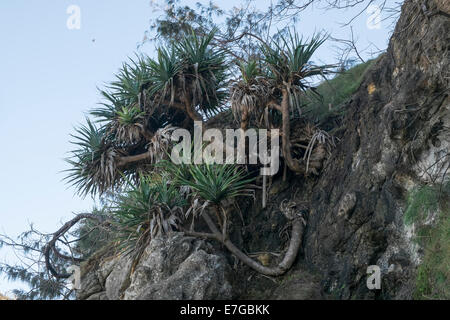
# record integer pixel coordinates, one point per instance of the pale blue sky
(48, 81)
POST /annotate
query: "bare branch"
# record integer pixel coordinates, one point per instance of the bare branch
(50, 247)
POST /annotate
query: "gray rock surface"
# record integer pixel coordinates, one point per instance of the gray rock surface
(172, 268)
(179, 268)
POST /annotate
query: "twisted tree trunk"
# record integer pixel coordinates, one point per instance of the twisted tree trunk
(51, 245)
(281, 268)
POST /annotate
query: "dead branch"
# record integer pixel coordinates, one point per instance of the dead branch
(51, 245)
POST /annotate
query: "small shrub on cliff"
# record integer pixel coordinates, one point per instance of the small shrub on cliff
(433, 274)
(420, 203)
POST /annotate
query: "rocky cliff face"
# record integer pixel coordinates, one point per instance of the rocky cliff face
(176, 267)
(396, 135)
(396, 131)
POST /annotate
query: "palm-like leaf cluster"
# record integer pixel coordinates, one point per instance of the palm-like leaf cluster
(289, 59)
(152, 208)
(204, 72)
(127, 91)
(289, 63)
(128, 126)
(250, 94)
(164, 72)
(93, 163)
(215, 182)
(125, 105)
(286, 64)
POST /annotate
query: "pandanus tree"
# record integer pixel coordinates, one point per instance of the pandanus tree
(250, 93)
(290, 67)
(186, 82)
(277, 87)
(149, 98)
